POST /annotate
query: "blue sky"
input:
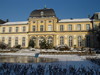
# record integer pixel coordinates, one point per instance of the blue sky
(19, 10)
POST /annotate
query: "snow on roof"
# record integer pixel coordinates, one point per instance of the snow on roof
(15, 23)
(75, 20)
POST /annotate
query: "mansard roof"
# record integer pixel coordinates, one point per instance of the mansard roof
(96, 16)
(1, 21)
(46, 12)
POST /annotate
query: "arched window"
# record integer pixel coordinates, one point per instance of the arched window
(61, 40)
(16, 41)
(70, 41)
(88, 41)
(33, 38)
(9, 41)
(41, 39)
(50, 40)
(79, 41)
(23, 41)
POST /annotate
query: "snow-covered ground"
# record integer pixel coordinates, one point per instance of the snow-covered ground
(74, 63)
(74, 60)
(66, 65)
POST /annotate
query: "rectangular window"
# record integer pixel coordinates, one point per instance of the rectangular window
(16, 29)
(79, 27)
(10, 29)
(41, 28)
(87, 26)
(49, 27)
(24, 28)
(23, 41)
(61, 28)
(69, 27)
(16, 41)
(33, 28)
(3, 29)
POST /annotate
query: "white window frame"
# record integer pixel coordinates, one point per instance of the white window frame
(78, 26)
(16, 40)
(17, 29)
(24, 28)
(62, 40)
(41, 28)
(23, 41)
(87, 26)
(70, 41)
(10, 29)
(61, 27)
(3, 29)
(70, 27)
(79, 41)
(49, 27)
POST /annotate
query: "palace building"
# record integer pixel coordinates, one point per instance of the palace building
(44, 24)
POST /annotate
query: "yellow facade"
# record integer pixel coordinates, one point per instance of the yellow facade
(72, 32)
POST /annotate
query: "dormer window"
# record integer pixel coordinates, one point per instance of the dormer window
(33, 21)
(50, 21)
(41, 21)
(42, 13)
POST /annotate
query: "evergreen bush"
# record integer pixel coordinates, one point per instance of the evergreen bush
(31, 43)
(3, 45)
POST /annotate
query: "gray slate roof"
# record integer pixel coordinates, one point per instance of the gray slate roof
(96, 16)
(46, 12)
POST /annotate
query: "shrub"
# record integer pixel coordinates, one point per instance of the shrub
(17, 46)
(3, 45)
(43, 44)
(31, 43)
(61, 47)
(46, 45)
(49, 45)
(74, 46)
